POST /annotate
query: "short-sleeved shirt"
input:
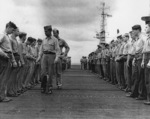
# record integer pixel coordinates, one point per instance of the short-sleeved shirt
(14, 44)
(146, 48)
(121, 48)
(98, 56)
(5, 43)
(117, 49)
(139, 43)
(103, 53)
(51, 45)
(131, 50)
(126, 48)
(62, 43)
(33, 52)
(114, 51)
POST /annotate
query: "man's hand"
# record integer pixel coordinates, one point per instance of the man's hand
(14, 64)
(142, 64)
(128, 63)
(133, 62)
(19, 64)
(56, 60)
(148, 65)
(22, 64)
(38, 59)
(62, 56)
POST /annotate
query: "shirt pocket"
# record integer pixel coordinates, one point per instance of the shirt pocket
(52, 46)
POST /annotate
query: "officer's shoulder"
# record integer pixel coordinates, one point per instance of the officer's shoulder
(54, 38)
(143, 35)
(62, 40)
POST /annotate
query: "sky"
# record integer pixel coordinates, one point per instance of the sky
(77, 20)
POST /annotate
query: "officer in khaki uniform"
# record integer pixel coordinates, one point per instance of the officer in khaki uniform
(82, 63)
(146, 58)
(6, 62)
(30, 59)
(130, 50)
(125, 52)
(138, 88)
(98, 60)
(107, 53)
(112, 68)
(22, 74)
(114, 50)
(117, 58)
(38, 65)
(58, 65)
(13, 79)
(34, 55)
(49, 54)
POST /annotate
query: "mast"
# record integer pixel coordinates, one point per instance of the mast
(102, 34)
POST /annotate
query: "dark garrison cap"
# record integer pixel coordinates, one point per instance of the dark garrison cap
(99, 46)
(120, 36)
(39, 40)
(146, 19)
(30, 39)
(49, 27)
(135, 27)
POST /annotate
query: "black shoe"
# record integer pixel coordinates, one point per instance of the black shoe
(147, 103)
(130, 95)
(12, 95)
(140, 98)
(6, 100)
(59, 87)
(43, 90)
(49, 91)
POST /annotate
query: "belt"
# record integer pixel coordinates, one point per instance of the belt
(138, 56)
(8, 52)
(48, 52)
(15, 54)
(147, 55)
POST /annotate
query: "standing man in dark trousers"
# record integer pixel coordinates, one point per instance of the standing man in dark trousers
(58, 65)
(38, 65)
(49, 54)
(138, 88)
(130, 56)
(5, 46)
(146, 58)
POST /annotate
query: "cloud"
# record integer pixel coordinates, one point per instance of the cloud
(77, 20)
(70, 12)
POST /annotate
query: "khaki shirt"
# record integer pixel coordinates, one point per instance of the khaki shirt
(37, 49)
(21, 50)
(131, 50)
(62, 43)
(81, 60)
(29, 52)
(126, 48)
(146, 48)
(114, 51)
(5, 43)
(33, 51)
(121, 48)
(99, 57)
(103, 53)
(14, 44)
(50, 45)
(139, 43)
(117, 49)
